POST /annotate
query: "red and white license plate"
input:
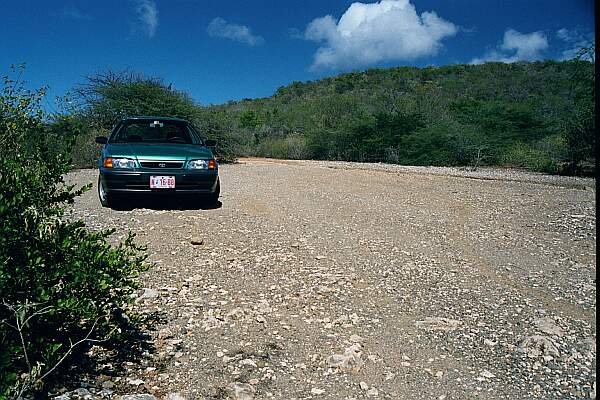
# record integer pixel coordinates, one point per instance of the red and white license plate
(162, 182)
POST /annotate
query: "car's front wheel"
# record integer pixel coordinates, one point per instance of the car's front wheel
(106, 199)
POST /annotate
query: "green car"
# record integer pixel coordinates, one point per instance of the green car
(156, 156)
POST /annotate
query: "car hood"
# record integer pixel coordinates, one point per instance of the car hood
(158, 151)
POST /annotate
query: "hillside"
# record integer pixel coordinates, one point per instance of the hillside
(533, 115)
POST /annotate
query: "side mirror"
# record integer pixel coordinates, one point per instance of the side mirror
(101, 139)
(210, 143)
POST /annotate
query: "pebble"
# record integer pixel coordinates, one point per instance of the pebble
(175, 396)
(242, 391)
(197, 241)
(149, 293)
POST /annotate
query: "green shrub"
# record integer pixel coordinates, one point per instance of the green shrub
(85, 150)
(522, 155)
(445, 143)
(292, 147)
(60, 284)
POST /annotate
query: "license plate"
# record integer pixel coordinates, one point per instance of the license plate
(162, 182)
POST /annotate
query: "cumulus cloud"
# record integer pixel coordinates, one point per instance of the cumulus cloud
(573, 42)
(220, 28)
(370, 33)
(147, 17)
(516, 46)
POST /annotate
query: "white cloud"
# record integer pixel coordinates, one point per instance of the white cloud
(516, 46)
(147, 17)
(370, 33)
(220, 28)
(70, 12)
(565, 35)
(574, 41)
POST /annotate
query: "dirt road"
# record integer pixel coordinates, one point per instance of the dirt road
(335, 280)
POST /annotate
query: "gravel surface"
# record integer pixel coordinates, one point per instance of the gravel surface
(351, 281)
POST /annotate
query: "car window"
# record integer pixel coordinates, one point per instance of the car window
(196, 136)
(149, 131)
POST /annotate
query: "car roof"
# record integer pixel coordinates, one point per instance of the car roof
(153, 117)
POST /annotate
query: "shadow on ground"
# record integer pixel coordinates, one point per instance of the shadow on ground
(95, 363)
(166, 203)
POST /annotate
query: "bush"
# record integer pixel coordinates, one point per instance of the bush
(85, 150)
(445, 143)
(522, 155)
(292, 147)
(108, 97)
(61, 286)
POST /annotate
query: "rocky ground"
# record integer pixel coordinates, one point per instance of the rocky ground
(318, 280)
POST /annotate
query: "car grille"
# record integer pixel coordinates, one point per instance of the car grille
(161, 164)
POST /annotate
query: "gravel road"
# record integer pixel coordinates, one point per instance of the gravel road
(331, 280)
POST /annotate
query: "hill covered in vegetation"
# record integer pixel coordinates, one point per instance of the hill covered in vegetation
(538, 116)
(534, 115)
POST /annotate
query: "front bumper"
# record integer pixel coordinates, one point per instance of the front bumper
(138, 181)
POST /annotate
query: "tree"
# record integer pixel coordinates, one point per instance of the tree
(580, 125)
(107, 97)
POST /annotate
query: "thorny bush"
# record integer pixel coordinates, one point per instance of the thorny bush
(61, 285)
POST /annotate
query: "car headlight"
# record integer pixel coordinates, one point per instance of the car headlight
(201, 164)
(124, 163)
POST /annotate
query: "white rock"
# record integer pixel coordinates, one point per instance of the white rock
(438, 324)
(487, 374)
(135, 382)
(248, 362)
(363, 385)
(350, 360)
(373, 392)
(356, 339)
(548, 326)
(316, 391)
(538, 345)
(175, 396)
(263, 307)
(242, 391)
(149, 293)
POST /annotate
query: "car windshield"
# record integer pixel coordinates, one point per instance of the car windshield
(154, 132)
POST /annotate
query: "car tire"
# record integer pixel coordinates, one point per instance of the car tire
(106, 199)
(213, 198)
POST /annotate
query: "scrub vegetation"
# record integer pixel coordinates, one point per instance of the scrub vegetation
(538, 116)
(62, 287)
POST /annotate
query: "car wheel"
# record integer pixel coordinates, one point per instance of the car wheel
(106, 199)
(213, 198)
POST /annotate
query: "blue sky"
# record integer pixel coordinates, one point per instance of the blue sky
(220, 50)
